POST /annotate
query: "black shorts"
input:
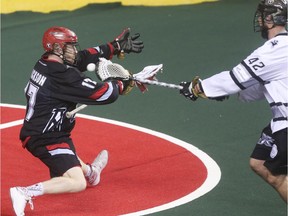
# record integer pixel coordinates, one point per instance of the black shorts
(272, 148)
(59, 156)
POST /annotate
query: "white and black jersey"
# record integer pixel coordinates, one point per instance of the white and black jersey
(263, 74)
(54, 89)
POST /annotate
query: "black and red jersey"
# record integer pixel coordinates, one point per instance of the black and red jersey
(54, 89)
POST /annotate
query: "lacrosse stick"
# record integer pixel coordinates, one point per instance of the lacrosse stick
(150, 82)
(107, 70)
(162, 84)
(77, 109)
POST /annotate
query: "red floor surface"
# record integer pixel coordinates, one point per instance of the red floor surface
(144, 171)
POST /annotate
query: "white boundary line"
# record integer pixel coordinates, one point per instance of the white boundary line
(213, 170)
(11, 124)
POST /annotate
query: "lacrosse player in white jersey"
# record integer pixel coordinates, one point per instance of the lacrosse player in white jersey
(263, 74)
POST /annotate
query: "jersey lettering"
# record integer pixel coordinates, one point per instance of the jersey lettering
(89, 83)
(38, 78)
(256, 63)
(31, 92)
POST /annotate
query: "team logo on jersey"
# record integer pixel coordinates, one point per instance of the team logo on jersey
(265, 140)
(56, 120)
(274, 43)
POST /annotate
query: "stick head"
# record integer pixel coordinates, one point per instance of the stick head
(108, 70)
(148, 73)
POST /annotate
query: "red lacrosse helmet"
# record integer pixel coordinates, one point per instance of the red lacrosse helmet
(60, 35)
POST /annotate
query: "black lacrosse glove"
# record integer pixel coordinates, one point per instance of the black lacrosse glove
(187, 91)
(128, 85)
(126, 43)
(190, 93)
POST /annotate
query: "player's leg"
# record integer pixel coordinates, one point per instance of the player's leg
(72, 181)
(93, 171)
(65, 168)
(269, 159)
(65, 171)
(278, 182)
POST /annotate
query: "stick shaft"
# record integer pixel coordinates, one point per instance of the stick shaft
(145, 81)
(163, 84)
(77, 109)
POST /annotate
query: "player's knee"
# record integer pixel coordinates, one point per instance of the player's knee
(256, 165)
(79, 185)
(76, 178)
(277, 180)
(82, 184)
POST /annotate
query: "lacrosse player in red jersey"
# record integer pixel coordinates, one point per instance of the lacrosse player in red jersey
(263, 74)
(55, 87)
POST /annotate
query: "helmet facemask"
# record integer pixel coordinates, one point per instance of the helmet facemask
(67, 52)
(270, 12)
(70, 51)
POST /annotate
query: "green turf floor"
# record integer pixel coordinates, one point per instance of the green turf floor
(189, 40)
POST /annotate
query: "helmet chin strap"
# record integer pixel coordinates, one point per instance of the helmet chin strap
(68, 62)
(59, 55)
(62, 56)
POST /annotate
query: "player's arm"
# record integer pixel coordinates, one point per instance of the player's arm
(103, 92)
(81, 89)
(221, 85)
(194, 89)
(92, 55)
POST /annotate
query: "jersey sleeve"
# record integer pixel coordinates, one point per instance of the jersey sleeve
(74, 86)
(265, 64)
(92, 55)
(253, 93)
(220, 84)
